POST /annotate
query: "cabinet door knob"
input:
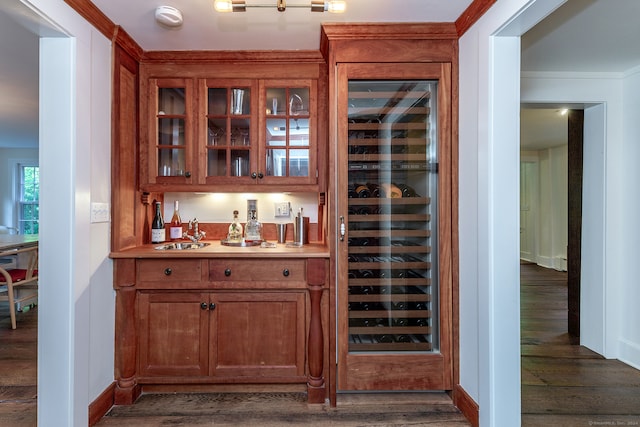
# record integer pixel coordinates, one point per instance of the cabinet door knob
(212, 306)
(260, 175)
(203, 305)
(254, 175)
(187, 174)
(227, 272)
(167, 271)
(285, 272)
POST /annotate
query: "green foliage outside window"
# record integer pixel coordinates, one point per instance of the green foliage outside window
(29, 215)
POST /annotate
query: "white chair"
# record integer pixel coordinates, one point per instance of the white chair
(13, 281)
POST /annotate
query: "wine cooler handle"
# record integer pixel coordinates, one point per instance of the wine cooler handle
(343, 228)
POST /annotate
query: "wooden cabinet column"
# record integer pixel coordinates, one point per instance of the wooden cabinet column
(127, 389)
(316, 387)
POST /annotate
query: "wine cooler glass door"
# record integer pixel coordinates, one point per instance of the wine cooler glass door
(392, 313)
(391, 211)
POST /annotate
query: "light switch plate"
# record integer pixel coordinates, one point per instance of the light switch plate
(283, 209)
(100, 212)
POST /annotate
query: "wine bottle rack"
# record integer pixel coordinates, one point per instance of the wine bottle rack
(392, 303)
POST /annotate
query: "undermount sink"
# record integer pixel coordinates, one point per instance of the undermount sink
(181, 246)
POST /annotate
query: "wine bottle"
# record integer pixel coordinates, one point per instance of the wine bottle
(363, 191)
(175, 229)
(374, 189)
(158, 234)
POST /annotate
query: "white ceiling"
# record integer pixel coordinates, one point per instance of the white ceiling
(583, 36)
(262, 28)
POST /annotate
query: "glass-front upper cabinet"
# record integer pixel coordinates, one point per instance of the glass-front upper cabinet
(289, 132)
(172, 136)
(230, 139)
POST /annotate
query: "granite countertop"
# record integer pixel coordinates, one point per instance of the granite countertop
(216, 249)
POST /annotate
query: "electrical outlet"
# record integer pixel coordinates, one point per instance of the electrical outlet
(283, 209)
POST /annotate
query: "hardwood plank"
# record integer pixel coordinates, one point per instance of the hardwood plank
(581, 400)
(277, 409)
(563, 383)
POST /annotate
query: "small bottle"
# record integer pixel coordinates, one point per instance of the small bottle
(175, 229)
(235, 229)
(158, 234)
(253, 229)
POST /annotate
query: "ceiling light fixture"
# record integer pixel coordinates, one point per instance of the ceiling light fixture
(333, 6)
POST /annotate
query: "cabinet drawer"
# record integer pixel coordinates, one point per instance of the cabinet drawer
(169, 270)
(243, 270)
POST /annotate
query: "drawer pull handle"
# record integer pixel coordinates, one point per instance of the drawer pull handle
(167, 271)
(227, 272)
(212, 306)
(203, 305)
(285, 272)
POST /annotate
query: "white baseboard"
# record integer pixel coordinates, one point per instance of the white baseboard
(555, 263)
(629, 353)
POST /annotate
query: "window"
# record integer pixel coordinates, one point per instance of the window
(28, 201)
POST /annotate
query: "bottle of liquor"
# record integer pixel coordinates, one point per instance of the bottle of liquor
(235, 229)
(175, 229)
(158, 234)
(253, 229)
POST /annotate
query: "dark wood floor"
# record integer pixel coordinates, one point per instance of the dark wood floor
(565, 384)
(562, 384)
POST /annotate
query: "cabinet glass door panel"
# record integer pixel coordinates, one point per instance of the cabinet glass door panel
(228, 127)
(217, 163)
(391, 212)
(287, 126)
(171, 119)
(216, 134)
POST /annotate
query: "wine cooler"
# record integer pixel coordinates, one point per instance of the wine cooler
(389, 284)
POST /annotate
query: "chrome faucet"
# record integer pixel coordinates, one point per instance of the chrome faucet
(197, 234)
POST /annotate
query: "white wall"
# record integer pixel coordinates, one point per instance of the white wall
(553, 208)
(76, 310)
(219, 207)
(10, 158)
(489, 205)
(629, 341)
(546, 195)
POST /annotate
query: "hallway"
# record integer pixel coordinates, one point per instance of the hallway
(564, 384)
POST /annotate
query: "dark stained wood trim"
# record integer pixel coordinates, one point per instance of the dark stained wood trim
(574, 244)
(466, 404)
(99, 407)
(455, 246)
(252, 56)
(94, 16)
(128, 44)
(388, 31)
(471, 15)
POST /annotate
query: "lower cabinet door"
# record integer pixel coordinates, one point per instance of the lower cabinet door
(173, 334)
(259, 335)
